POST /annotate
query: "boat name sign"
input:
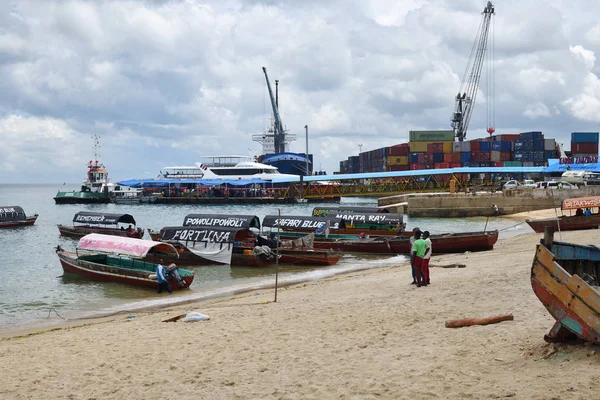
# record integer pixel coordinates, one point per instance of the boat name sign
(7, 210)
(89, 218)
(377, 218)
(206, 235)
(299, 223)
(225, 222)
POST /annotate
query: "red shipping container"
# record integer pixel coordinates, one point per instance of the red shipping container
(421, 158)
(398, 168)
(484, 157)
(505, 156)
(398, 150)
(456, 157)
(584, 148)
(435, 148)
(414, 166)
(475, 155)
(455, 164)
(441, 165)
(509, 137)
(475, 146)
(447, 157)
(426, 166)
(499, 164)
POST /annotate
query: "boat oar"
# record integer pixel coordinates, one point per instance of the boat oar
(459, 323)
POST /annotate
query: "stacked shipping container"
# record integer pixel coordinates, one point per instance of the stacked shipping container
(437, 149)
(584, 144)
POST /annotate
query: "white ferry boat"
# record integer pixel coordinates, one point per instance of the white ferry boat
(225, 168)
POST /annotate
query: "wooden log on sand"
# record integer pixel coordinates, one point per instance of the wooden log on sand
(447, 265)
(459, 323)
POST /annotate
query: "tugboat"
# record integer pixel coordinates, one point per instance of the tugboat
(95, 188)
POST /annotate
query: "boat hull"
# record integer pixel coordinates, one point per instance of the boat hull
(442, 244)
(574, 304)
(81, 198)
(15, 224)
(565, 223)
(308, 257)
(81, 231)
(101, 272)
(251, 260)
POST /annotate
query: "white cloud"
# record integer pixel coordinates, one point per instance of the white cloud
(170, 81)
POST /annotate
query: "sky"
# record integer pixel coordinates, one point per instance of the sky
(165, 83)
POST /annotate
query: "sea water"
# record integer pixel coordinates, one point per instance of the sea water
(35, 291)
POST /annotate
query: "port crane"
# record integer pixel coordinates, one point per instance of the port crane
(465, 99)
(279, 134)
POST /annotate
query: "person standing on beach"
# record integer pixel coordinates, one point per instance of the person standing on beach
(425, 264)
(420, 249)
(162, 279)
(412, 254)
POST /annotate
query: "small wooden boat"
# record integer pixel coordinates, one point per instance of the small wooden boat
(566, 280)
(102, 223)
(571, 222)
(120, 259)
(14, 217)
(441, 244)
(369, 220)
(308, 256)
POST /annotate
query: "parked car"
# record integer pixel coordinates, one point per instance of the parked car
(511, 184)
(528, 183)
(541, 184)
(563, 185)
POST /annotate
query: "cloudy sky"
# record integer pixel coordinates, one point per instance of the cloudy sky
(167, 82)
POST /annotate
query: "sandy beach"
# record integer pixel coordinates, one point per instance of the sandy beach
(364, 335)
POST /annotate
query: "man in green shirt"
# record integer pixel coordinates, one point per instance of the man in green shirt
(420, 249)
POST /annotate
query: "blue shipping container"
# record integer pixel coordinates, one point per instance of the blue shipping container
(485, 146)
(531, 135)
(538, 156)
(465, 157)
(538, 145)
(413, 157)
(548, 154)
(584, 137)
(438, 157)
(523, 145)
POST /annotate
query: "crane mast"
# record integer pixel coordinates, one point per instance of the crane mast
(465, 99)
(279, 135)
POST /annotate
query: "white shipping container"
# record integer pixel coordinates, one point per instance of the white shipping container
(456, 147)
(495, 156)
(549, 144)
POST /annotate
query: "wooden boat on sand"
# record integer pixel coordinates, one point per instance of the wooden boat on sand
(85, 222)
(14, 217)
(571, 222)
(566, 280)
(441, 244)
(120, 259)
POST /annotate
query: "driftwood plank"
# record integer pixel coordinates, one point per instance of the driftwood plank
(459, 323)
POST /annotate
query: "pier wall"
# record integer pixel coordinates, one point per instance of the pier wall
(445, 205)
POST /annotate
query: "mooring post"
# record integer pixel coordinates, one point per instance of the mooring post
(548, 237)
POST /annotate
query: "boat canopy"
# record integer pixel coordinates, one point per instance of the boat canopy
(324, 211)
(581, 202)
(371, 219)
(210, 242)
(225, 221)
(12, 213)
(86, 217)
(123, 245)
(303, 223)
(209, 234)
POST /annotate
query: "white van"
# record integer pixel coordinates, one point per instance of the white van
(581, 178)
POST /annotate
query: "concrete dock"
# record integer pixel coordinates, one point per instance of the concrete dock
(478, 204)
